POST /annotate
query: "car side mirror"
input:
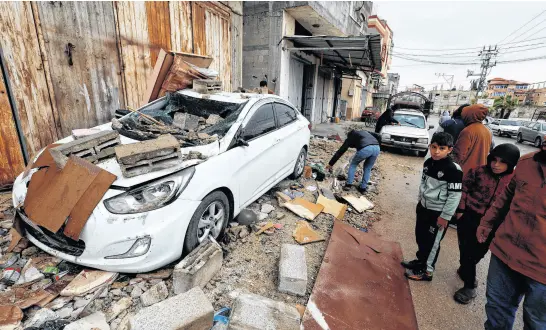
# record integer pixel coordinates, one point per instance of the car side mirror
(241, 142)
(430, 126)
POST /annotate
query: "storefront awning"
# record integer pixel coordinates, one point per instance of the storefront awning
(347, 53)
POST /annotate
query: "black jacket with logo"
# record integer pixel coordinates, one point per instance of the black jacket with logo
(441, 186)
(358, 140)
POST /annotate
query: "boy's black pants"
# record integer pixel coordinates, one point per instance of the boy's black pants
(428, 236)
(471, 251)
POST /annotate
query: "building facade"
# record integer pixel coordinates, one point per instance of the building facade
(393, 82)
(500, 87)
(450, 100)
(305, 78)
(536, 94)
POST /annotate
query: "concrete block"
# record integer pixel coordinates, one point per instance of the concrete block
(92, 148)
(155, 294)
(293, 270)
(198, 267)
(190, 310)
(253, 312)
(148, 156)
(94, 321)
(186, 121)
(213, 119)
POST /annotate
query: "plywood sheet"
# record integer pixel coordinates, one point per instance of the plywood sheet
(304, 208)
(159, 27)
(360, 204)
(332, 207)
(87, 281)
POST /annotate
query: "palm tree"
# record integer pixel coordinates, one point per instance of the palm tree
(506, 105)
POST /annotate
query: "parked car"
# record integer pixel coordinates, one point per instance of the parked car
(534, 132)
(507, 127)
(411, 134)
(150, 220)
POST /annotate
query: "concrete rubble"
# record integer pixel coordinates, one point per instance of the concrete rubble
(293, 270)
(254, 312)
(155, 294)
(92, 148)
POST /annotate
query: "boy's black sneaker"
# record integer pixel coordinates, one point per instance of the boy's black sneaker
(465, 295)
(419, 275)
(362, 190)
(347, 187)
(414, 264)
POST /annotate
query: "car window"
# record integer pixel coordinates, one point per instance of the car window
(543, 127)
(496, 122)
(285, 114)
(510, 123)
(410, 120)
(262, 122)
(536, 126)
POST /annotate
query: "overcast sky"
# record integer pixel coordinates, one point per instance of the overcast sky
(464, 25)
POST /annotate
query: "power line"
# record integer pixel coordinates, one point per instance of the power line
(534, 26)
(535, 33)
(467, 48)
(502, 51)
(524, 25)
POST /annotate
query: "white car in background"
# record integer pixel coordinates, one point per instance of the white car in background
(410, 134)
(145, 222)
(502, 127)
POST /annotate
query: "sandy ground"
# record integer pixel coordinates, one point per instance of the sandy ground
(434, 304)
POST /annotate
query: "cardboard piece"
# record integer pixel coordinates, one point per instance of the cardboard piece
(304, 209)
(15, 238)
(332, 207)
(165, 59)
(87, 281)
(360, 204)
(304, 234)
(10, 315)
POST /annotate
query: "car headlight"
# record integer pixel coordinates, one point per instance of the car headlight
(139, 248)
(150, 196)
(423, 141)
(385, 136)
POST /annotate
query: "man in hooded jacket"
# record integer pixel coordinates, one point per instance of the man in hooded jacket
(455, 125)
(474, 142)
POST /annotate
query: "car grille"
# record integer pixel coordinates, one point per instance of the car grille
(58, 242)
(403, 139)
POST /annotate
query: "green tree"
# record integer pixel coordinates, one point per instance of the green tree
(504, 105)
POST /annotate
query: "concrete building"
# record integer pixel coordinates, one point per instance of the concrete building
(449, 100)
(280, 45)
(499, 87)
(393, 82)
(380, 90)
(536, 94)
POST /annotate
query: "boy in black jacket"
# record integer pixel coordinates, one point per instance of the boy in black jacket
(439, 196)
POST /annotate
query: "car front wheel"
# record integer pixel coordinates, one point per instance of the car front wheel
(519, 139)
(538, 142)
(300, 164)
(210, 218)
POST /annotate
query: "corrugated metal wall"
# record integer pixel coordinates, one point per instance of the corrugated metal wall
(72, 64)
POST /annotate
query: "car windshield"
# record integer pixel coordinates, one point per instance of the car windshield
(509, 123)
(410, 120)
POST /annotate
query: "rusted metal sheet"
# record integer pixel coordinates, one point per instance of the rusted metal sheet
(199, 29)
(11, 156)
(135, 49)
(80, 44)
(25, 73)
(159, 27)
(181, 26)
(360, 285)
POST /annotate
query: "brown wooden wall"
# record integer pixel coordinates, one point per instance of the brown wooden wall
(113, 46)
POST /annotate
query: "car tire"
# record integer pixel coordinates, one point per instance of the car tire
(422, 153)
(538, 142)
(192, 239)
(519, 139)
(300, 164)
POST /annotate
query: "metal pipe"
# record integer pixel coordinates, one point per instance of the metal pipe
(325, 48)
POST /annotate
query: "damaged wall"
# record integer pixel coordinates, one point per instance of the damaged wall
(72, 64)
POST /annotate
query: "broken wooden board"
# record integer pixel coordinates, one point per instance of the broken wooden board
(358, 287)
(360, 204)
(332, 207)
(87, 281)
(304, 209)
(15, 238)
(304, 234)
(10, 315)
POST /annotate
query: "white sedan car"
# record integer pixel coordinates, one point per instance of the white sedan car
(505, 127)
(410, 134)
(148, 221)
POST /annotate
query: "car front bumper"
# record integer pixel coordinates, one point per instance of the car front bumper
(405, 145)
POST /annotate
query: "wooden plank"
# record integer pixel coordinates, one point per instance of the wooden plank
(11, 157)
(199, 29)
(135, 50)
(159, 27)
(181, 26)
(85, 205)
(25, 73)
(87, 89)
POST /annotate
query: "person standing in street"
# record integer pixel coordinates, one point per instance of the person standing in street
(481, 185)
(386, 118)
(439, 196)
(367, 146)
(455, 124)
(445, 117)
(518, 251)
(474, 141)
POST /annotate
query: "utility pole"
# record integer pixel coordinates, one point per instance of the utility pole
(486, 56)
(447, 77)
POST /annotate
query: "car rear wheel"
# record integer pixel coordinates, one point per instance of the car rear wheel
(210, 218)
(538, 142)
(519, 139)
(300, 164)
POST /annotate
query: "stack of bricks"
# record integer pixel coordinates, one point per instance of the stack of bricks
(148, 156)
(92, 148)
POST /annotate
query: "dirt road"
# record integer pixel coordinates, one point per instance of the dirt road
(434, 304)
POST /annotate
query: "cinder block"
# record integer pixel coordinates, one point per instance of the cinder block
(253, 312)
(198, 267)
(190, 310)
(155, 294)
(293, 270)
(148, 156)
(92, 148)
(186, 121)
